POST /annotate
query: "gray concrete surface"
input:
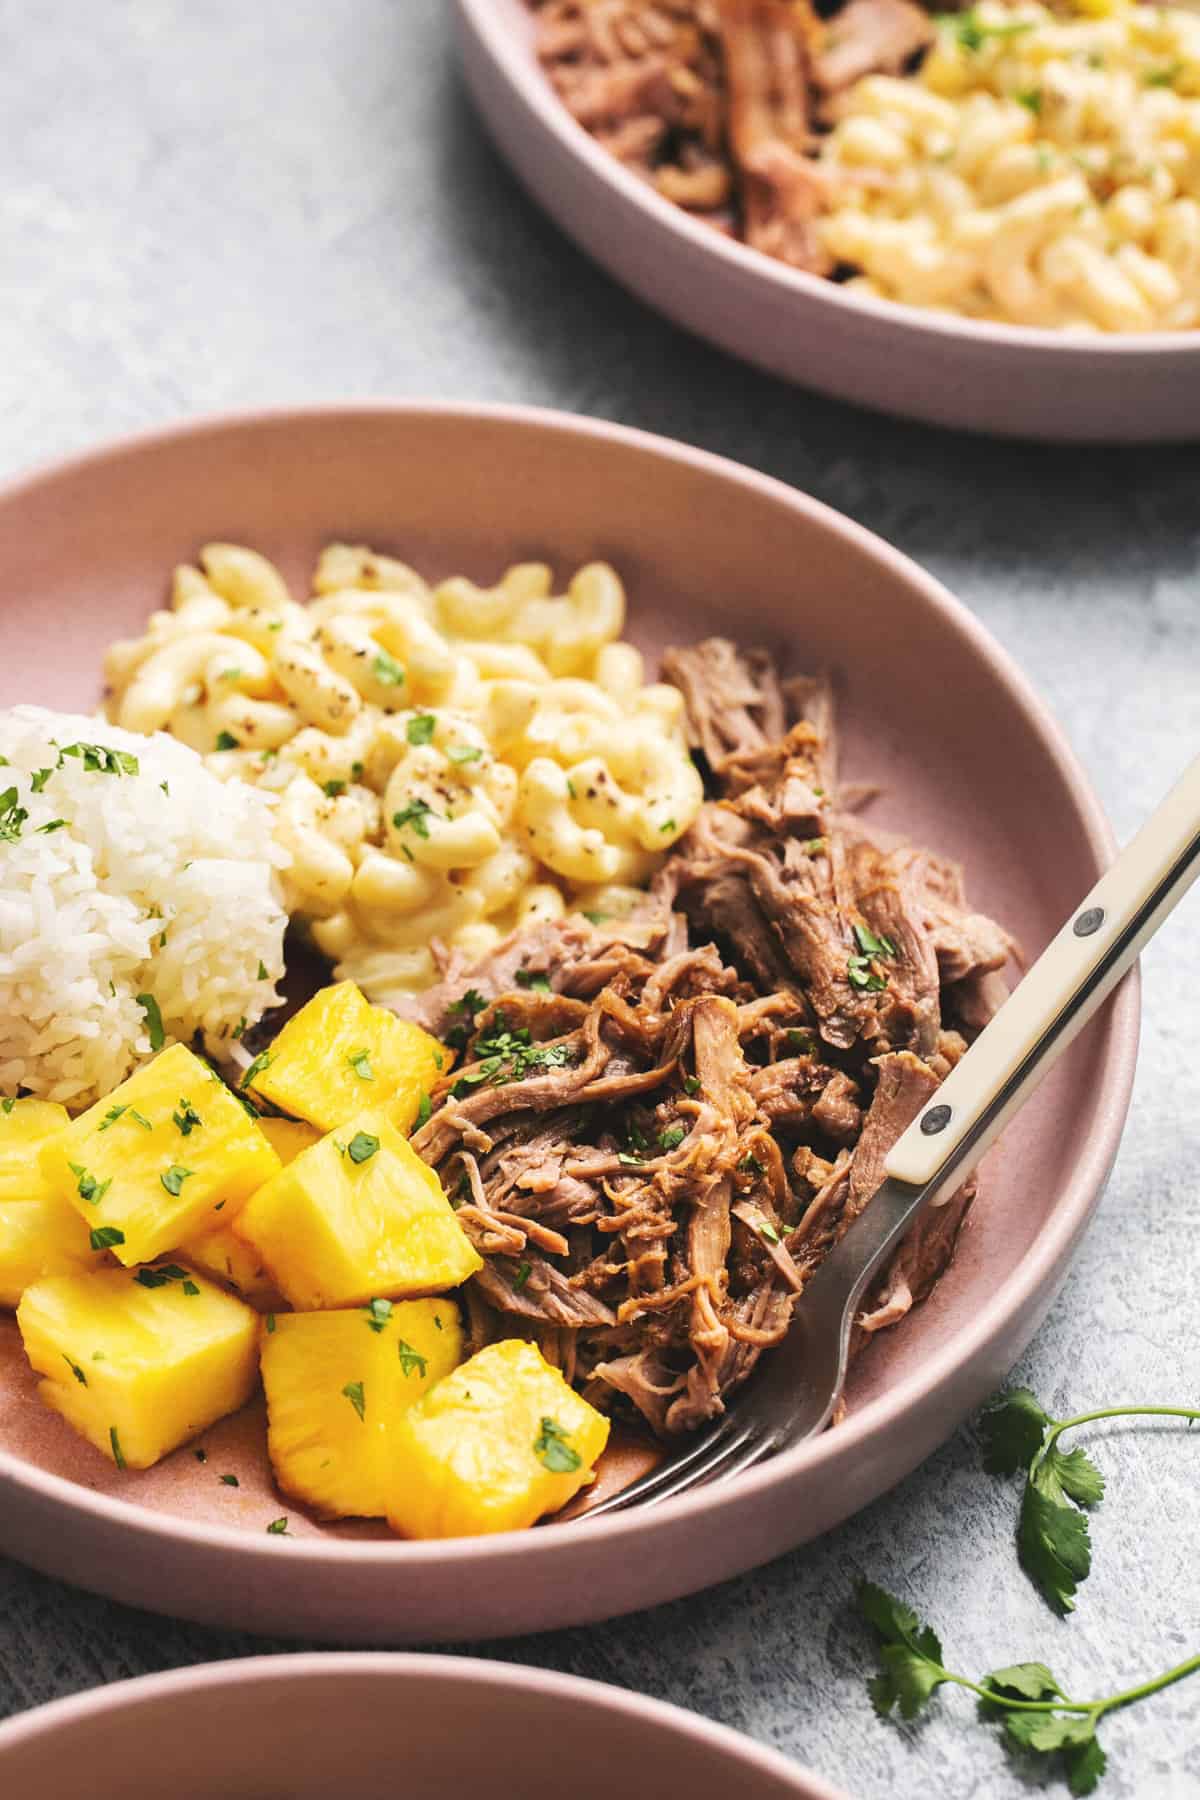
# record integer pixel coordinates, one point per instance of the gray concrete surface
(221, 204)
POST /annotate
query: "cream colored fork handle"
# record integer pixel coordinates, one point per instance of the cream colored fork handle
(1128, 902)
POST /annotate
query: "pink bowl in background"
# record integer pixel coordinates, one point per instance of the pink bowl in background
(1012, 380)
(929, 704)
(429, 1727)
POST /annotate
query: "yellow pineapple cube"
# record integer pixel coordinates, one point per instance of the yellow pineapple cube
(39, 1233)
(159, 1159)
(495, 1445)
(138, 1362)
(337, 1382)
(25, 1125)
(227, 1257)
(288, 1137)
(357, 1215)
(340, 1055)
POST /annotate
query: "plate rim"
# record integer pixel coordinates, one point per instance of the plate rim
(294, 1668)
(480, 19)
(1039, 1271)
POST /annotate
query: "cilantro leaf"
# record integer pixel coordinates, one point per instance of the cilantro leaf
(1073, 1473)
(1086, 1763)
(356, 1395)
(1054, 1546)
(553, 1449)
(1013, 1430)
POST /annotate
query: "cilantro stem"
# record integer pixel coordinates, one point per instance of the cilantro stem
(1058, 1426)
(1059, 1703)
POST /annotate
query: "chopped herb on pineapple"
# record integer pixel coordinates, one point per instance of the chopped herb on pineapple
(362, 1147)
(88, 1188)
(378, 1314)
(154, 1024)
(411, 1361)
(76, 1371)
(111, 1117)
(552, 1447)
(356, 1395)
(105, 1236)
(160, 1275)
(8, 1102)
(360, 1062)
(174, 1178)
(118, 1453)
(270, 1323)
(262, 1061)
(186, 1117)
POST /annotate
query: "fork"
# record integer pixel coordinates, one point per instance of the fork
(794, 1394)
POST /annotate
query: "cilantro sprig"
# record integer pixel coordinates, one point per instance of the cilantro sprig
(1036, 1714)
(1061, 1486)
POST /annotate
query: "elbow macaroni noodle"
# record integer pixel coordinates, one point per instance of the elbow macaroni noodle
(1039, 168)
(450, 762)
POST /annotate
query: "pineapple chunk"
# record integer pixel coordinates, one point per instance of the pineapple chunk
(357, 1215)
(139, 1363)
(39, 1237)
(39, 1233)
(149, 1166)
(495, 1445)
(337, 1382)
(288, 1137)
(227, 1257)
(24, 1126)
(339, 1055)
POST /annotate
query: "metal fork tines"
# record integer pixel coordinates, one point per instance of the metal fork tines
(730, 1447)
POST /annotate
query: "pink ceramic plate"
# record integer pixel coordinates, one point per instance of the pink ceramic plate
(972, 765)
(323, 1727)
(950, 371)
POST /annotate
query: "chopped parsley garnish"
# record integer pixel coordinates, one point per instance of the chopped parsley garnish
(262, 971)
(160, 1275)
(226, 741)
(117, 1453)
(190, 1289)
(39, 778)
(552, 1447)
(111, 1117)
(415, 814)
(105, 1236)
(972, 33)
(356, 769)
(331, 789)
(464, 753)
(464, 1009)
(596, 918)
(261, 1062)
(201, 1456)
(802, 1041)
(88, 1187)
(239, 1029)
(411, 1361)
(378, 1314)
(278, 1527)
(154, 1024)
(1164, 77)
(630, 1158)
(360, 1062)
(672, 1137)
(872, 945)
(509, 1056)
(424, 1110)
(98, 759)
(9, 1101)
(186, 1117)
(767, 1230)
(270, 1323)
(12, 816)
(691, 1085)
(421, 729)
(387, 670)
(527, 978)
(174, 1178)
(52, 825)
(669, 825)
(355, 1394)
(1031, 98)
(229, 1481)
(524, 1271)
(860, 974)
(362, 1147)
(76, 1371)
(750, 1165)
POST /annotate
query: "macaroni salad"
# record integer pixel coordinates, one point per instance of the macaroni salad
(1039, 168)
(450, 762)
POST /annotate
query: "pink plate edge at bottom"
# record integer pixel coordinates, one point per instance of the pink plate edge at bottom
(389, 1592)
(131, 1733)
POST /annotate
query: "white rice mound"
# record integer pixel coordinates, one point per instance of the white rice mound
(160, 882)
